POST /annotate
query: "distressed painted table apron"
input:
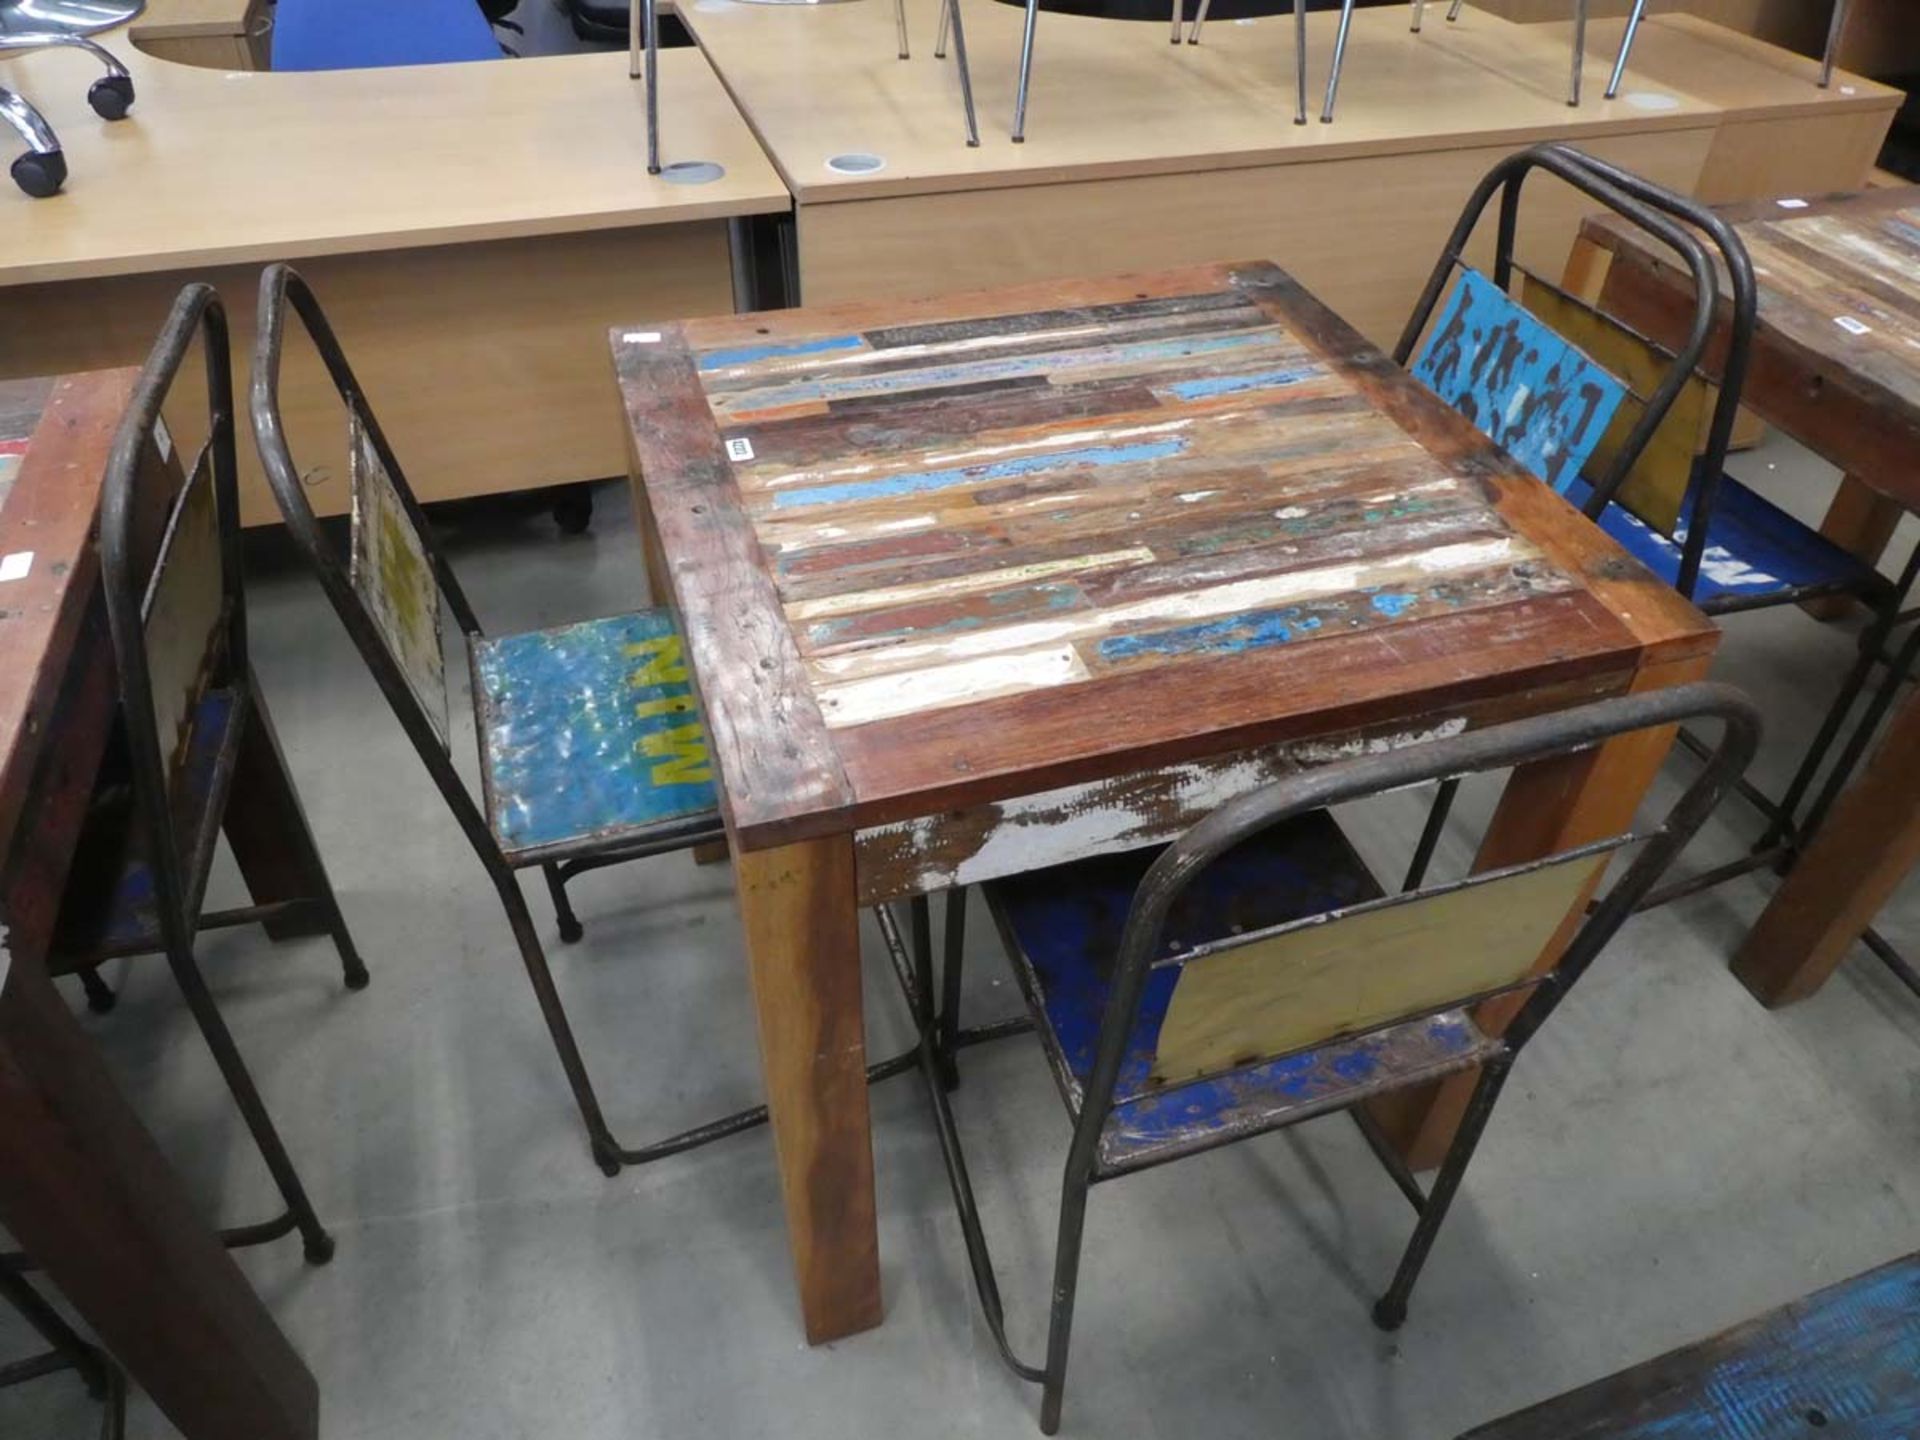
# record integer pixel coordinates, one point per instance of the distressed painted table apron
(975, 585)
(1836, 364)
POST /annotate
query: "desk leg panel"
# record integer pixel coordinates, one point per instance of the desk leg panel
(803, 950)
(487, 363)
(1360, 233)
(1867, 846)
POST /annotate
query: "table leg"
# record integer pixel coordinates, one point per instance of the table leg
(267, 827)
(1548, 806)
(1860, 521)
(86, 1191)
(802, 923)
(1866, 847)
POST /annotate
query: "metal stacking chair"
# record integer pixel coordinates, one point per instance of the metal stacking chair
(643, 48)
(1697, 528)
(643, 58)
(42, 170)
(1579, 43)
(592, 750)
(1253, 975)
(1299, 52)
(591, 744)
(1835, 30)
(193, 733)
(67, 1351)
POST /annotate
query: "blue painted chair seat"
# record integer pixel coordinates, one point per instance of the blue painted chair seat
(590, 737)
(1062, 927)
(366, 34)
(1757, 554)
(111, 903)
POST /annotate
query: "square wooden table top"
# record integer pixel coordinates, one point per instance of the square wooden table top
(1837, 351)
(933, 554)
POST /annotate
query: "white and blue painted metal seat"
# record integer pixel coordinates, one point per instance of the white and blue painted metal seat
(590, 736)
(1757, 555)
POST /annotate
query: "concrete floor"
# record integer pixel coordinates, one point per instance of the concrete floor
(1671, 1159)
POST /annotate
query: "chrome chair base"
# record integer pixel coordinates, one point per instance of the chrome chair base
(65, 17)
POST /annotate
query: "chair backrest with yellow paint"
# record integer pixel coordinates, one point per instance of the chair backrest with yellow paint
(1656, 486)
(1242, 1000)
(1372, 966)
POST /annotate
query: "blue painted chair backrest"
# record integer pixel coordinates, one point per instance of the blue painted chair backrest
(1523, 385)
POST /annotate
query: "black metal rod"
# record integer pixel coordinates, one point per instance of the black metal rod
(1891, 958)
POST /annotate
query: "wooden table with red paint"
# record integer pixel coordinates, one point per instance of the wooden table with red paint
(1836, 364)
(82, 1185)
(974, 585)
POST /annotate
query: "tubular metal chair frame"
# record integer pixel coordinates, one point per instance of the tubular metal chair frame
(1142, 948)
(127, 584)
(1784, 833)
(1508, 178)
(281, 289)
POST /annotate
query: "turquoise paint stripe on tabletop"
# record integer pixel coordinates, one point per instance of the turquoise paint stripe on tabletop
(1235, 384)
(748, 354)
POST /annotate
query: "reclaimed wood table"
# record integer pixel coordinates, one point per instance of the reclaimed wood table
(82, 1185)
(1838, 1362)
(1836, 364)
(976, 585)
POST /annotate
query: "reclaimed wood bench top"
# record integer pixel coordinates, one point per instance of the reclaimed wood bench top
(1837, 351)
(1839, 1362)
(938, 553)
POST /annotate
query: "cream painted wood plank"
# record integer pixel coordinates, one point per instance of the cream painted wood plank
(1114, 98)
(1361, 234)
(227, 167)
(1301, 988)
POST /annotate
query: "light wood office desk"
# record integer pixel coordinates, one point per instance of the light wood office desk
(1140, 153)
(469, 228)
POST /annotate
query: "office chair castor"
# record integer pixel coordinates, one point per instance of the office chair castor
(573, 510)
(40, 173)
(111, 96)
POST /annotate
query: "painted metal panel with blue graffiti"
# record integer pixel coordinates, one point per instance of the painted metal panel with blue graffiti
(1524, 386)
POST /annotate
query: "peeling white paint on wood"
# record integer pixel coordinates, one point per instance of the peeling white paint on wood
(1098, 818)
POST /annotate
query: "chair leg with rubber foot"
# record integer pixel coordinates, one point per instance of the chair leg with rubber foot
(317, 1243)
(570, 927)
(1390, 1312)
(100, 996)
